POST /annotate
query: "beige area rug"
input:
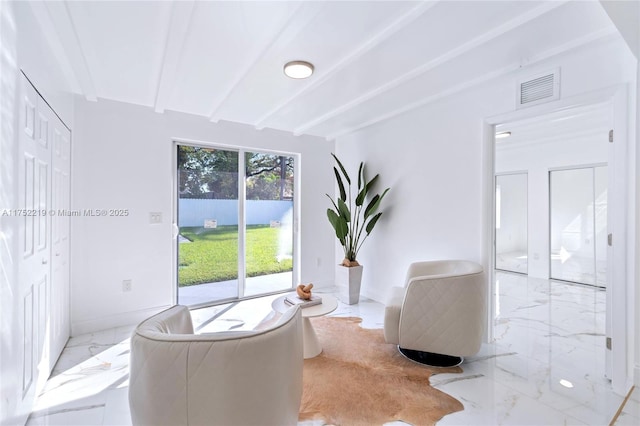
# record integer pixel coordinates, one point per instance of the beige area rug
(358, 379)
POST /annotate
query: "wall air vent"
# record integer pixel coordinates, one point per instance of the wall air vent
(539, 88)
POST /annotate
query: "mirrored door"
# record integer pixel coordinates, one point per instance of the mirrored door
(578, 219)
(511, 235)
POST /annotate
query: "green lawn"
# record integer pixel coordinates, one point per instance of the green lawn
(212, 254)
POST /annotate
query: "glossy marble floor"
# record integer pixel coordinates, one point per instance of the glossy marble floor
(545, 367)
(564, 266)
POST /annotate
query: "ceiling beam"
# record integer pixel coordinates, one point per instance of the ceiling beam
(429, 65)
(297, 21)
(573, 44)
(176, 37)
(395, 26)
(61, 35)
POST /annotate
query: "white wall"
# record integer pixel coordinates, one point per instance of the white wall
(22, 46)
(635, 299)
(123, 160)
(537, 159)
(33, 54)
(626, 16)
(432, 158)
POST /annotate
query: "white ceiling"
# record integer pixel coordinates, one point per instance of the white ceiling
(373, 59)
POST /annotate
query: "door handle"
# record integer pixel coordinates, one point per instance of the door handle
(45, 261)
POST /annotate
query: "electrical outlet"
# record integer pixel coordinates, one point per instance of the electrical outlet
(126, 285)
(155, 218)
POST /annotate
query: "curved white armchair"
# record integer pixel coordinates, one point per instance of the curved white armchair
(439, 316)
(228, 378)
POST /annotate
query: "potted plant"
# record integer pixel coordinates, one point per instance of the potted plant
(350, 218)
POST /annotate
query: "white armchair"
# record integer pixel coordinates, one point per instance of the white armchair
(439, 316)
(227, 378)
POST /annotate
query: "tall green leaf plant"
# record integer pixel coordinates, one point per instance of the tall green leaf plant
(350, 217)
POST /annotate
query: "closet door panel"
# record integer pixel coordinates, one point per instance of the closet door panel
(43, 235)
(34, 252)
(60, 239)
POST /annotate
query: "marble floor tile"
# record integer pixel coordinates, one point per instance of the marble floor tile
(627, 420)
(489, 402)
(630, 412)
(117, 406)
(545, 365)
(81, 416)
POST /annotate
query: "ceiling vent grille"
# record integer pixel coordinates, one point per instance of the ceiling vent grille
(538, 89)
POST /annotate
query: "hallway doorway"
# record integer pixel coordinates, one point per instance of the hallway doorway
(564, 155)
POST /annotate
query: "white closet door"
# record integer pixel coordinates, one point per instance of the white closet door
(60, 202)
(34, 256)
(578, 206)
(43, 233)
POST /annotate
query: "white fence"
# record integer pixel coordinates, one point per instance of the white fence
(194, 212)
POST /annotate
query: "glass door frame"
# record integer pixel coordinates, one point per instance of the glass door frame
(241, 150)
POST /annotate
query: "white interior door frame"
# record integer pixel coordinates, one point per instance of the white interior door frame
(620, 305)
(622, 252)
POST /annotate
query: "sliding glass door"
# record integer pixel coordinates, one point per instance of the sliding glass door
(578, 218)
(235, 215)
(269, 223)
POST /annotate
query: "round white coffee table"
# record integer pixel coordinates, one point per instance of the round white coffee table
(312, 345)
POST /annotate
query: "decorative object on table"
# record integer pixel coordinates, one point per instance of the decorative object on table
(438, 317)
(303, 297)
(358, 379)
(349, 219)
(304, 291)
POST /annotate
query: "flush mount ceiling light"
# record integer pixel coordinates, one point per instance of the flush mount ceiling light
(298, 69)
(501, 135)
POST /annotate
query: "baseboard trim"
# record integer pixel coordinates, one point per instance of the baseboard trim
(113, 321)
(373, 296)
(636, 375)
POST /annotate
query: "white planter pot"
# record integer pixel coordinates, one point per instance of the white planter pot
(348, 281)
